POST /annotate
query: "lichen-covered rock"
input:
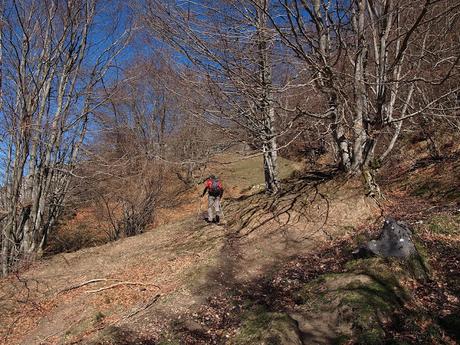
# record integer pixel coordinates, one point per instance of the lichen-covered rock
(394, 240)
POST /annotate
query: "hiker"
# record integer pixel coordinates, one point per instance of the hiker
(214, 188)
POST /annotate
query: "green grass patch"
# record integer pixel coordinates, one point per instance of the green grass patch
(427, 189)
(249, 172)
(260, 326)
(169, 341)
(99, 317)
(445, 224)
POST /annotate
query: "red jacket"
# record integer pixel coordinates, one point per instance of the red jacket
(208, 188)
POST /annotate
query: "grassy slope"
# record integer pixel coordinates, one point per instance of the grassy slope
(173, 257)
(281, 262)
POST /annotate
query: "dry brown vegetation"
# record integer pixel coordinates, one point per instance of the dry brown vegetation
(185, 261)
(320, 117)
(194, 282)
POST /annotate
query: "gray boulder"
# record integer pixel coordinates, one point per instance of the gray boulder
(395, 240)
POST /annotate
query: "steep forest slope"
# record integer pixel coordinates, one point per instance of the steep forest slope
(278, 271)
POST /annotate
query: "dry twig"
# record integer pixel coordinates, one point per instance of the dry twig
(119, 284)
(146, 306)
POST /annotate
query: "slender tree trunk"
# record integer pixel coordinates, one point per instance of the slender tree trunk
(270, 151)
(359, 130)
(269, 148)
(7, 233)
(339, 136)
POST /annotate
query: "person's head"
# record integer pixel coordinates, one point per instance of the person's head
(212, 177)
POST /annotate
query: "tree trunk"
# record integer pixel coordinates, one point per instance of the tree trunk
(339, 135)
(270, 154)
(360, 136)
(269, 146)
(7, 232)
(343, 148)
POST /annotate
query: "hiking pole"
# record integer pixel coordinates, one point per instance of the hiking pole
(199, 211)
(222, 214)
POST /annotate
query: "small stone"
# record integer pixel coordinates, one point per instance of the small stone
(193, 326)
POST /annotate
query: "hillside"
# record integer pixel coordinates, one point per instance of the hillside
(279, 271)
(334, 127)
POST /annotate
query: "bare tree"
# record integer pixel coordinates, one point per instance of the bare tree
(125, 175)
(372, 63)
(232, 44)
(146, 140)
(50, 73)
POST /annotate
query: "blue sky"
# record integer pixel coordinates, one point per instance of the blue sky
(112, 20)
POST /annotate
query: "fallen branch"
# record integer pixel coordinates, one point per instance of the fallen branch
(85, 283)
(119, 284)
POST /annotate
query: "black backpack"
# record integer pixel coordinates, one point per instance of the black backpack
(214, 186)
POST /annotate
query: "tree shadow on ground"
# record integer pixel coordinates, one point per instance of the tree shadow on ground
(380, 308)
(232, 296)
(291, 207)
(237, 284)
(120, 335)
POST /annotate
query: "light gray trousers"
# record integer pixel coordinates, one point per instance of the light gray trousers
(213, 207)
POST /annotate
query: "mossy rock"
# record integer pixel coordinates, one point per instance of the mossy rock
(267, 328)
(392, 270)
(418, 265)
(352, 305)
(343, 306)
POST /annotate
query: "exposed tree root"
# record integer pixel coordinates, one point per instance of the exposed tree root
(144, 307)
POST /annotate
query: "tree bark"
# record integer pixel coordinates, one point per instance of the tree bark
(270, 155)
(269, 146)
(339, 136)
(360, 135)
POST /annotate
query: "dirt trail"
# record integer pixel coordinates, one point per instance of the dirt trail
(162, 276)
